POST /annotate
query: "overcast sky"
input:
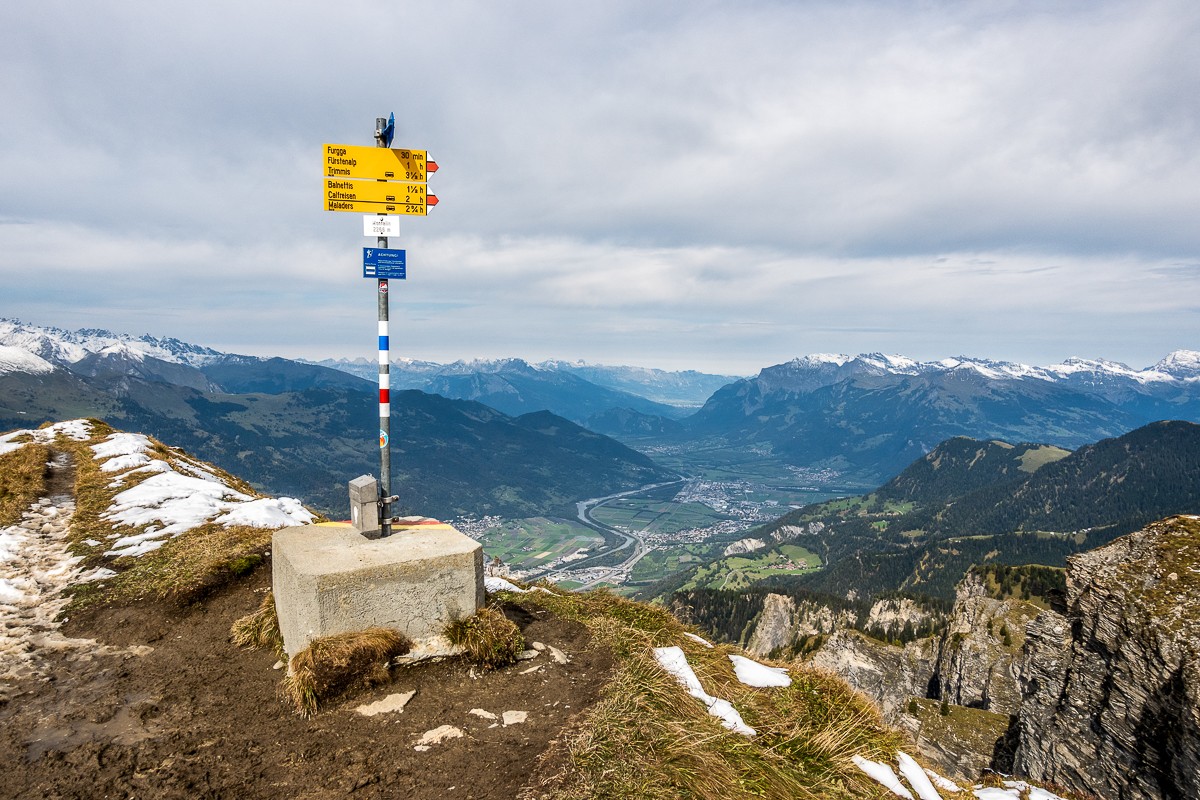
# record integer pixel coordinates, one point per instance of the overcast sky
(711, 185)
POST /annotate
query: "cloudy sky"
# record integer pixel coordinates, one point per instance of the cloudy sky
(709, 185)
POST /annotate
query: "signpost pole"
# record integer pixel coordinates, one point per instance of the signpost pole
(382, 139)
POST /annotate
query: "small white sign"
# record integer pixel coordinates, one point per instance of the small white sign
(374, 225)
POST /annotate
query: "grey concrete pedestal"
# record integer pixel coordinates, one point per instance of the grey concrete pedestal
(331, 579)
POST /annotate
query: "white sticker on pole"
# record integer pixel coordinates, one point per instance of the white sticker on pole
(374, 225)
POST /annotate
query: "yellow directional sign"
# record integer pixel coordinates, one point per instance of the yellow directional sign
(367, 207)
(376, 197)
(374, 191)
(377, 163)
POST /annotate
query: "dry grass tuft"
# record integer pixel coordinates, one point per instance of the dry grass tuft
(335, 664)
(259, 630)
(491, 639)
(22, 480)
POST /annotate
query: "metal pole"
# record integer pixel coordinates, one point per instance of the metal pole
(385, 404)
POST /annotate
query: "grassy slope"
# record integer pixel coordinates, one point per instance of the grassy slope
(22, 480)
(648, 738)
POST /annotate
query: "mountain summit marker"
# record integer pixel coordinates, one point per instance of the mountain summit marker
(384, 181)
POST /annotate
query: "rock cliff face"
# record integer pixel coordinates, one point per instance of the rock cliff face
(743, 546)
(783, 620)
(892, 615)
(978, 664)
(1111, 691)
(886, 674)
(972, 666)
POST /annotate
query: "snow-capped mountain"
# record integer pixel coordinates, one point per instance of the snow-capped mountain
(870, 414)
(63, 347)
(1182, 364)
(15, 359)
(825, 369)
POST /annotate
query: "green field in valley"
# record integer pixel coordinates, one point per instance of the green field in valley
(658, 564)
(737, 572)
(655, 516)
(529, 543)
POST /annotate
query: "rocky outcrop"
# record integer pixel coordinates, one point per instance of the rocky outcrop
(893, 616)
(889, 675)
(743, 546)
(783, 621)
(1111, 691)
(978, 665)
(962, 742)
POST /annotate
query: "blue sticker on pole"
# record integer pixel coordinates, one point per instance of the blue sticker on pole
(381, 263)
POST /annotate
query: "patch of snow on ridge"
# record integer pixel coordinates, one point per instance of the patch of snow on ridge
(167, 502)
(78, 429)
(752, 673)
(675, 662)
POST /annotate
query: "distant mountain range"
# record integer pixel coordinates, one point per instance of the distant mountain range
(859, 419)
(868, 416)
(573, 389)
(305, 430)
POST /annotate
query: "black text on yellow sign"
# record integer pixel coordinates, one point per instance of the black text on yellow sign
(378, 163)
(375, 197)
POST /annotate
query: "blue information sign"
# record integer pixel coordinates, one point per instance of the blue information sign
(379, 263)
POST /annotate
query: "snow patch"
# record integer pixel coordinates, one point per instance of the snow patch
(752, 673)
(675, 662)
(78, 429)
(883, 775)
(121, 444)
(916, 777)
(168, 502)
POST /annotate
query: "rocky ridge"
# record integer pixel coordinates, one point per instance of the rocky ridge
(1111, 689)
(971, 668)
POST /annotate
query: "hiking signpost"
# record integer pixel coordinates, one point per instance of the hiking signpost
(384, 183)
(337, 579)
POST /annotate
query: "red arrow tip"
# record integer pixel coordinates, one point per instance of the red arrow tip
(431, 200)
(431, 166)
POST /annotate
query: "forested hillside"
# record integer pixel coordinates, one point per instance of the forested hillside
(969, 503)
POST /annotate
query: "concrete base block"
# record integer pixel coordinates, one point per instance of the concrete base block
(331, 579)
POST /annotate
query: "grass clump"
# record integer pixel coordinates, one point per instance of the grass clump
(491, 639)
(333, 665)
(259, 630)
(22, 480)
(190, 567)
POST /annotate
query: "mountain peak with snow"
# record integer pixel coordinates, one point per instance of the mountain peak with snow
(16, 359)
(1182, 364)
(63, 347)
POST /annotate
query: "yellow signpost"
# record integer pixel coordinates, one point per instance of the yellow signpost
(375, 197)
(374, 163)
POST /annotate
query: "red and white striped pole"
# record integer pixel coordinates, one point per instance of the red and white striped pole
(385, 403)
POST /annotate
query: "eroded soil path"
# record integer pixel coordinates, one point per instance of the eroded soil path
(167, 708)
